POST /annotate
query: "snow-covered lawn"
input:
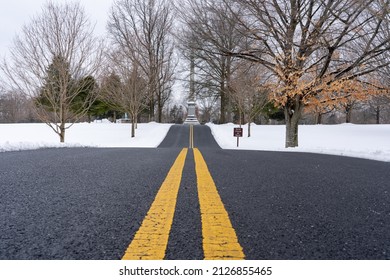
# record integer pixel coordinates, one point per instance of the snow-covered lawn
(100, 134)
(365, 141)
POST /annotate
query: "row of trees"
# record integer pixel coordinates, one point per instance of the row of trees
(249, 57)
(15, 108)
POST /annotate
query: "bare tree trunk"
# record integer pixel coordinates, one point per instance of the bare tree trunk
(151, 110)
(133, 124)
(318, 118)
(292, 116)
(249, 128)
(223, 102)
(227, 93)
(291, 132)
(160, 108)
(378, 114)
(62, 132)
(114, 117)
(348, 114)
(62, 124)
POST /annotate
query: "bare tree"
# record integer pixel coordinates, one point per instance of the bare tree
(53, 53)
(249, 91)
(208, 105)
(380, 104)
(209, 30)
(312, 45)
(347, 107)
(319, 110)
(124, 88)
(142, 30)
(15, 107)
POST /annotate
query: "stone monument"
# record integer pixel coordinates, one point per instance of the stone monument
(191, 115)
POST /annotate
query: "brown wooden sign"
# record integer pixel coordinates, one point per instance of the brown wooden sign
(237, 132)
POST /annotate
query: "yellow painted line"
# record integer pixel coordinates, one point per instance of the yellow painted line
(191, 145)
(150, 241)
(219, 237)
(192, 127)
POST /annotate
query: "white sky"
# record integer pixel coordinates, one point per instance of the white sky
(15, 13)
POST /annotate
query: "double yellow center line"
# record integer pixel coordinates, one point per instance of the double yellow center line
(219, 237)
(150, 241)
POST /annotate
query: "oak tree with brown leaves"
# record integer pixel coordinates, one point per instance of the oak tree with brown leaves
(312, 46)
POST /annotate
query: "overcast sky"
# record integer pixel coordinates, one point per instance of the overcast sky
(15, 13)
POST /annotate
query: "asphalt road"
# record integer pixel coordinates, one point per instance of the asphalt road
(88, 203)
(178, 137)
(76, 203)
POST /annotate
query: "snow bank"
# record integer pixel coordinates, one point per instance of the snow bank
(15, 137)
(364, 141)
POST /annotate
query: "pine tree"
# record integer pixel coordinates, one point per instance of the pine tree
(56, 95)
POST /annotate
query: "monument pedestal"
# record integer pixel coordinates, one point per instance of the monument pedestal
(191, 117)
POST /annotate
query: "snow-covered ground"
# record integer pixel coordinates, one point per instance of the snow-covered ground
(365, 141)
(15, 137)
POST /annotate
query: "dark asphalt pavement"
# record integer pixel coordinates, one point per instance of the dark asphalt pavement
(76, 203)
(305, 206)
(88, 203)
(178, 137)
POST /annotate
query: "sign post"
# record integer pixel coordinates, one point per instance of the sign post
(237, 132)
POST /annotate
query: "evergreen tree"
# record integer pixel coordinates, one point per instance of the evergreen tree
(271, 111)
(57, 86)
(88, 87)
